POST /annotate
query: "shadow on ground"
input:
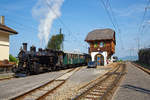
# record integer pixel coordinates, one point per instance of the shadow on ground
(135, 88)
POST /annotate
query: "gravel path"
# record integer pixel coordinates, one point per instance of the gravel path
(14, 87)
(135, 86)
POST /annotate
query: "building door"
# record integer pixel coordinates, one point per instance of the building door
(99, 59)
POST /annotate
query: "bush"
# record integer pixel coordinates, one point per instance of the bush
(120, 60)
(12, 58)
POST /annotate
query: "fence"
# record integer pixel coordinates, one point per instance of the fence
(6, 66)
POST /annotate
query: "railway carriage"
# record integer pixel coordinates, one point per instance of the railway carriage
(73, 59)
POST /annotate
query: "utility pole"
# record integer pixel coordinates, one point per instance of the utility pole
(60, 32)
(130, 53)
(138, 42)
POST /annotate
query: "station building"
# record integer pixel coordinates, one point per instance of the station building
(5, 32)
(102, 45)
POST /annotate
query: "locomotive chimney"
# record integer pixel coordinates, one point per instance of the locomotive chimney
(33, 49)
(40, 49)
(24, 46)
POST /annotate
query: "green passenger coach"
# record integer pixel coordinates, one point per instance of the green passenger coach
(74, 59)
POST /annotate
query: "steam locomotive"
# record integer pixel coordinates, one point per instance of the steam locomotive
(44, 60)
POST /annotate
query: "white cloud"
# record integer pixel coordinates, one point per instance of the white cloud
(130, 11)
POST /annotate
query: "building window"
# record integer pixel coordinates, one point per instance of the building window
(101, 44)
(95, 45)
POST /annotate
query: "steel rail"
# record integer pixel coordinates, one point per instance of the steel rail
(33, 90)
(98, 89)
(114, 84)
(52, 90)
(93, 81)
(22, 96)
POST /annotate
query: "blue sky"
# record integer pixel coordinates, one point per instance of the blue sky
(79, 17)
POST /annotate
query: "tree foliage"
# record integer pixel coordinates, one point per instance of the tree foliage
(56, 42)
(12, 58)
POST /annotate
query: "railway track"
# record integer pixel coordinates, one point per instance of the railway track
(44, 91)
(104, 88)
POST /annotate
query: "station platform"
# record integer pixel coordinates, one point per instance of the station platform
(134, 86)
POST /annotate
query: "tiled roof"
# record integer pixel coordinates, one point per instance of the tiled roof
(7, 29)
(100, 34)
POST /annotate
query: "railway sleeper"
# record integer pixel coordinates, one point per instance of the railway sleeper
(96, 94)
(96, 90)
(38, 93)
(92, 97)
(99, 90)
(106, 84)
(29, 98)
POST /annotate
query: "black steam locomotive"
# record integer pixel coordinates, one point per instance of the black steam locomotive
(35, 62)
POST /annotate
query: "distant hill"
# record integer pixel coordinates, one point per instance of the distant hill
(132, 58)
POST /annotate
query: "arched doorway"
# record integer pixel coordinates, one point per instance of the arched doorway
(99, 58)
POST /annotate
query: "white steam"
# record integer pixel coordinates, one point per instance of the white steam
(46, 11)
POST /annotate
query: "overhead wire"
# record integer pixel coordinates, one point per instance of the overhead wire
(112, 19)
(23, 25)
(23, 17)
(119, 30)
(141, 27)
(109, 15)
(60, 20)
(65, 26)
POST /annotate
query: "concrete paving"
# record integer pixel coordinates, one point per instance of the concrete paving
(135, 85)
(86, 75)
(67, 75)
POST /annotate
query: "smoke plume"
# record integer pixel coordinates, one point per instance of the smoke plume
(46, 11)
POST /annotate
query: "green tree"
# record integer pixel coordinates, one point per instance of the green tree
(56, 42)
(12, 58)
